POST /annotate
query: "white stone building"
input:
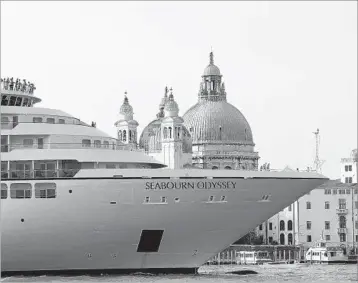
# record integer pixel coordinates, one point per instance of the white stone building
(211, 134)
(329, 212)
(349, 168)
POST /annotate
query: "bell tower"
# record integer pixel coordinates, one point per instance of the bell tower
(172, 134)
(126, 126)
(211, 87)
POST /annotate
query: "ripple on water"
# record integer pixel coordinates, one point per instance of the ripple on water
(216, 274)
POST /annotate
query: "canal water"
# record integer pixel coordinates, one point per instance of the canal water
(215, 274)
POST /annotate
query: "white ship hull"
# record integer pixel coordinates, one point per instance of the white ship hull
(98, 226)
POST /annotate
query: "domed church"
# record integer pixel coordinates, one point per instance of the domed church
(212, 134)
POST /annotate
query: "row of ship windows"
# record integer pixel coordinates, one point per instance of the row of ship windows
(165, 200)
(6, 120)
(24, 190)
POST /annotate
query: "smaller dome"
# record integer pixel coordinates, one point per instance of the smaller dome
(126, 108)
(211, 69)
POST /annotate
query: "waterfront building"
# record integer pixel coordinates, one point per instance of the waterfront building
(282, 228)
(329, 212)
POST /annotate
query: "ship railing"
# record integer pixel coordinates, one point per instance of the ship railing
(38, 174)
(52, 145)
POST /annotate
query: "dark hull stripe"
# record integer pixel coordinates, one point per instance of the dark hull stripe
(100, 272)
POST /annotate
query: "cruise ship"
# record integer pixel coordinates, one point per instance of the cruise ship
(75, 201)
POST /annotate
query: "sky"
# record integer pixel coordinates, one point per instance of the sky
(289, 67)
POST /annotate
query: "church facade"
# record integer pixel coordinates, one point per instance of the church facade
(212, 134)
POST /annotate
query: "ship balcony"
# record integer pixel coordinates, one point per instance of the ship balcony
(38, 174)
(342, 230)
(342, 211)
(52, 145)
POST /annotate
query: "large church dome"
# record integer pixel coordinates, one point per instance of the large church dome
(213, 119)
(217, 121)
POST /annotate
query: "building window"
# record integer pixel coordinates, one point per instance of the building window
(342, 203)
(335, 191)
(327, 225)
(308, 225)
(309, 238)
(289, 238)
(348, 180)
(356, 238)
(326, 205)
(282, 225)
(342, 222)
(61, 121)
(282, 239)
(342, 191)
(348, 168)
(342, 237)
(260, 227)
(308, 205)
(270, 240)
(327, 191)
(270, 226)
(289, 225)
(106, 144)
(348, 191)
(328, 237)
(290, 207)
(355, 191)
(356, 204)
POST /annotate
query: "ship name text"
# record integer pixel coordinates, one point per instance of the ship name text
(201, 185)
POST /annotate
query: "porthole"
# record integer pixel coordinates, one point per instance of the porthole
(22, 219)
(177, 199)
(70, 191)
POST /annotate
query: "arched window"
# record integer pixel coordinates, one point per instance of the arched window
(290, 239)
(130, 135)
(282, 225)
(120, 135)
(165, 132)
(214, 168)
(124, 135)
(178, 133)
(282, 239)
(170, 132)
(289, 225)
(342, 222)
(227, 168)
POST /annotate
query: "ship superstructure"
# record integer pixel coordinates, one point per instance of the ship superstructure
(74, 199)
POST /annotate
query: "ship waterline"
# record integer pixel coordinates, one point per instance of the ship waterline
(102, 223)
